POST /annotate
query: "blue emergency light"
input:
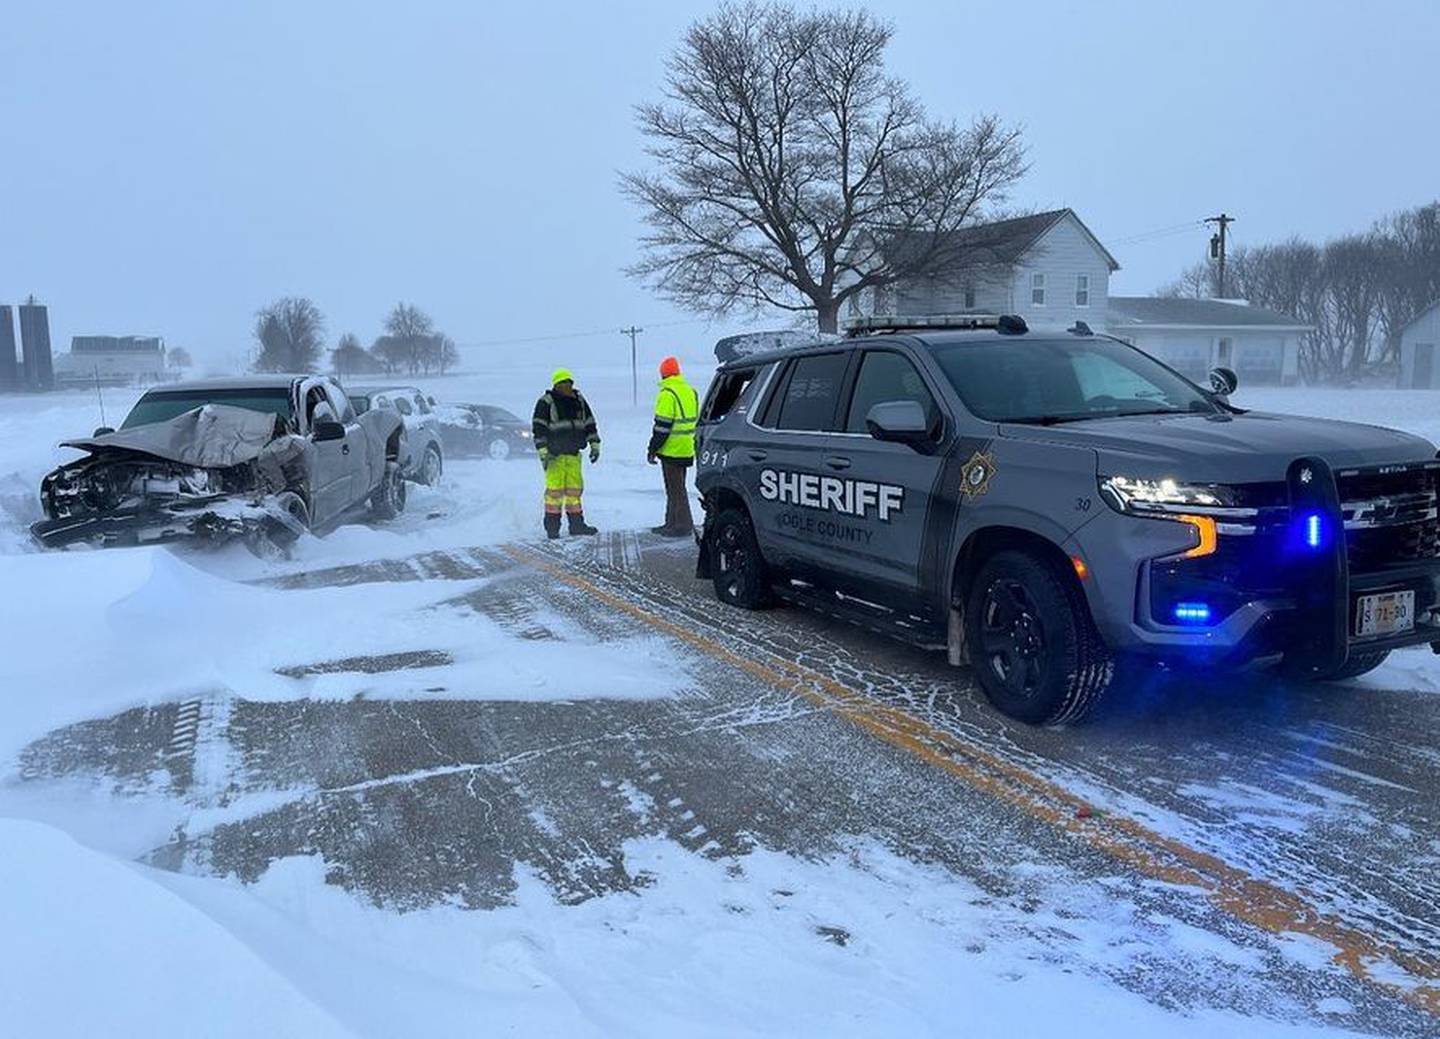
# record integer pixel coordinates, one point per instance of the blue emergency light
(1192, 613)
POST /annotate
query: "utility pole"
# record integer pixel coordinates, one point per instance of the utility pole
(632, 332)
(1217, 245)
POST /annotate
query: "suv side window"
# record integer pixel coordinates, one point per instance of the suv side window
(885, 376)
(403, 406)
(728, 389)
(813, 390)
(420, 403)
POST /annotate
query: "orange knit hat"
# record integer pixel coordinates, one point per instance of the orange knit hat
(668, 367)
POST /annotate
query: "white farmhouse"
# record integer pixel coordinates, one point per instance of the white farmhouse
(1194, 335)
(1418, 343)
(1048, 268)
(1052, 271)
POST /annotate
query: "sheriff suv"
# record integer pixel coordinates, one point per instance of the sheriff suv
(1047, 505)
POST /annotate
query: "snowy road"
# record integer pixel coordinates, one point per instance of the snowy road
(1261, 849)
(438, 773)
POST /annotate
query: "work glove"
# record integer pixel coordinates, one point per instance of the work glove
(544, 459)
(594, 453)
(651, 458)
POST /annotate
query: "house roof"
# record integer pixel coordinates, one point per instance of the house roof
(998, 242)
(1421, 316)
(1174, 312)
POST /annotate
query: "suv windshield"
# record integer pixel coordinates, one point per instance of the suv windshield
(1067, 380)
(162, 407)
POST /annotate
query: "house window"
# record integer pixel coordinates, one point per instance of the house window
(1082, 290)
(969, 297)
(1037, 289)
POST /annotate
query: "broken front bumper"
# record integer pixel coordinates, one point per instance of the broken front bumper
(213, 520)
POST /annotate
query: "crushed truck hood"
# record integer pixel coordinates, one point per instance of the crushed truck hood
(209, 437)
(1252, 447)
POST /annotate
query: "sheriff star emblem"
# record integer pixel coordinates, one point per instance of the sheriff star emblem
(975, 475)
(1306, 475)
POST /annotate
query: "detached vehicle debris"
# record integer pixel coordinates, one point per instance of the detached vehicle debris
(261, 459)
(1047, 506)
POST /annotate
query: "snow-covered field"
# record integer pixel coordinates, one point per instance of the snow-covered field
(91, 942)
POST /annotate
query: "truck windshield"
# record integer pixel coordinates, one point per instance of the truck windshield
(1044, 381)
(163, 406)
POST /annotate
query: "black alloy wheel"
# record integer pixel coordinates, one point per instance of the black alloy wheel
(739, 572)
(1012, 638)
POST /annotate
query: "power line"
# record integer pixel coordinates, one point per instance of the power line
(595, 334)
(1159, 232)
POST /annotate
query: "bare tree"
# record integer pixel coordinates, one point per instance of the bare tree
(793, 172)
(291, 333)
(350, 358)
(1198, 281)
(408, 331)
(179, 357)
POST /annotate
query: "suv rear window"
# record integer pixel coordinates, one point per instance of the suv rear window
(809, 396)
(726, 391)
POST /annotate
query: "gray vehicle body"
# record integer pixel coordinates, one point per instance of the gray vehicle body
(422, 423)
(829, 540)
(219, 471)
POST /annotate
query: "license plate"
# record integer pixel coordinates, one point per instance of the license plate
(1385, 613)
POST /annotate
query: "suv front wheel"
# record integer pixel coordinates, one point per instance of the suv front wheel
(1033, 646)
(736, 566)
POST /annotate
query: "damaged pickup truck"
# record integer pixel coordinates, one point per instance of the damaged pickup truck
(262, 459)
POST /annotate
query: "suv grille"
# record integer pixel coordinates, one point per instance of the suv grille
(1390, 518)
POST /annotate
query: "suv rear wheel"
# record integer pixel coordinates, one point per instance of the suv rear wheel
(1034, 648)
(736, 566)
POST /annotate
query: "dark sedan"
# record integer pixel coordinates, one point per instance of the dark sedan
(483, 431)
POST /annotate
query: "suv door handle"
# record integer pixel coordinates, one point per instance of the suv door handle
(344, 449)
(758, 455)
(837, 462)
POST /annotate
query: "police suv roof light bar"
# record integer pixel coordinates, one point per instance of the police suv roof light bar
(878, 324)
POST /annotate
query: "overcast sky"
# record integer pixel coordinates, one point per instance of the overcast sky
(169, 168)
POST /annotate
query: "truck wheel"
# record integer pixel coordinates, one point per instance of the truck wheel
(1358, 664)
(272, 537)
(388, 500)
(736, 566)
(431, 466)
(1034, 647)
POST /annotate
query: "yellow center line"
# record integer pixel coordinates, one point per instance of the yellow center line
(1127, 840)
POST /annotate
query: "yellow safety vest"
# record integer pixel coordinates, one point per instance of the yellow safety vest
(677, 409)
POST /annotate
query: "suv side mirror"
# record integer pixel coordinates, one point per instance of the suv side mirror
(898, 421)
(1223, 381)
(327, 429)
(101, 431)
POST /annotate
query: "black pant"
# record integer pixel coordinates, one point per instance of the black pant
(677, 501)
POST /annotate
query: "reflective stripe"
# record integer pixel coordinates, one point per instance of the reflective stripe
(677, 413)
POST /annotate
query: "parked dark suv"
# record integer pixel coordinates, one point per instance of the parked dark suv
(1043, 505)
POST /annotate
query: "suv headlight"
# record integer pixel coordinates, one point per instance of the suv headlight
(1198, 506)
(1129, 494)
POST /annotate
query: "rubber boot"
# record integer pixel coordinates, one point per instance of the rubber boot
(579, 526)
(552, 525)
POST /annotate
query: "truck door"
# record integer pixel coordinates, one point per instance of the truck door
(330, 477)
(883, 567)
